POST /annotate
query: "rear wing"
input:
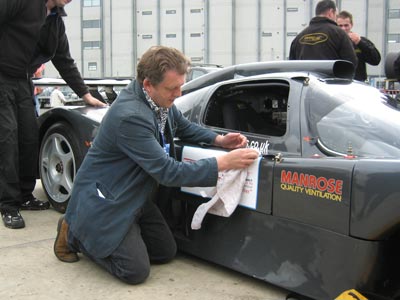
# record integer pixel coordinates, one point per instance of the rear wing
(102, 89)
(89, 82)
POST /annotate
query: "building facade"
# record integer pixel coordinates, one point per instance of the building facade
(107, 37)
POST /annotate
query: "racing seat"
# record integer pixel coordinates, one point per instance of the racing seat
(230, 116)
(240, 116)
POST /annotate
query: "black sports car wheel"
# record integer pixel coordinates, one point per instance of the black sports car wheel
(59, 159)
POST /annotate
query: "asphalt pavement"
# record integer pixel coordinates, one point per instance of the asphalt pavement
(29, 270)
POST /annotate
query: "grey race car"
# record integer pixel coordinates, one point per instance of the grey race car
(321, 211)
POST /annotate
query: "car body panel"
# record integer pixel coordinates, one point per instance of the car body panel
(293, 255)
(84, 121)
(304, 189)
(375, 199)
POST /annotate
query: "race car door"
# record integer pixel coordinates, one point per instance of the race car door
(314, 191)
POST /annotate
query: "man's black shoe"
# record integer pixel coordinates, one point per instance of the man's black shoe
(34, 204)
(13, 219)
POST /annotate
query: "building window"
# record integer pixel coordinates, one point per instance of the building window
(91, 24)
(147, 13)
(195, 35)
(91, 2)
(89, 45)
(292, 9)
(195, 11)
(171, 12)
(196, 58)
(394, 38)
(147, 36)
(394, 13)
(266, 34)
(92, 66)
(170, 35)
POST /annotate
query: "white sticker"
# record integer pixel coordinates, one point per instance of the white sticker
(249, 193)
(261, 147)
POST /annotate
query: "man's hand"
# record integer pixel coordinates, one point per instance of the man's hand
(231, 141)
(355, 37)
(38, 90)
(90, 100)
(237, 159)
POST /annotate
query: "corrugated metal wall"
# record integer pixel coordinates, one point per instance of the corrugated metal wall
(222, 32)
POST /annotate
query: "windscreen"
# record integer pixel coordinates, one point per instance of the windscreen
(355, 118)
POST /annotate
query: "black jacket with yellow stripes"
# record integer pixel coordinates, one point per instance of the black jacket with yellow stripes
(322, 40)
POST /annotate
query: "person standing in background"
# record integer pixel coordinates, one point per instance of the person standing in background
(57, 97)
(323, 39)
(364, 48)
(32, 33)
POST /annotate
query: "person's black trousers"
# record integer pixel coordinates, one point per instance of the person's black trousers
(149, 240)
(19, 142)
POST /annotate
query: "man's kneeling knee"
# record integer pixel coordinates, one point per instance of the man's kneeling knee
(135, 277)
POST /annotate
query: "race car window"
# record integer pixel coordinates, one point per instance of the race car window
(258, 107)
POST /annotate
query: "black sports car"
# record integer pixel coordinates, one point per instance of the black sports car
(321, 212)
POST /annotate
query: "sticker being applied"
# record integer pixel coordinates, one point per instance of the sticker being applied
(249, 193)
(260, 146)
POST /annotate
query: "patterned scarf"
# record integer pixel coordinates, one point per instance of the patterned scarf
(161, 112)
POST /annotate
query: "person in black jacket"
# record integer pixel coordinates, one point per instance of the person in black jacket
(365, 49)
(31, 33)
(323, 39)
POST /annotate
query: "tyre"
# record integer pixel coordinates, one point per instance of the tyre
(59, 159)
(392, 65)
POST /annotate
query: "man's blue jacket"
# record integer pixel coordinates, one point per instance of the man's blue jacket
(125, 165)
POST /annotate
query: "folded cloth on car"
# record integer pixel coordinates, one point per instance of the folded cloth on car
(227, 196)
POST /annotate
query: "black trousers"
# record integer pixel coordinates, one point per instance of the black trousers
(149, 240)
(19, 142)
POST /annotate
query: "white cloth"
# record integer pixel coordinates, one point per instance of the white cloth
(56, 98)
(227, 196)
